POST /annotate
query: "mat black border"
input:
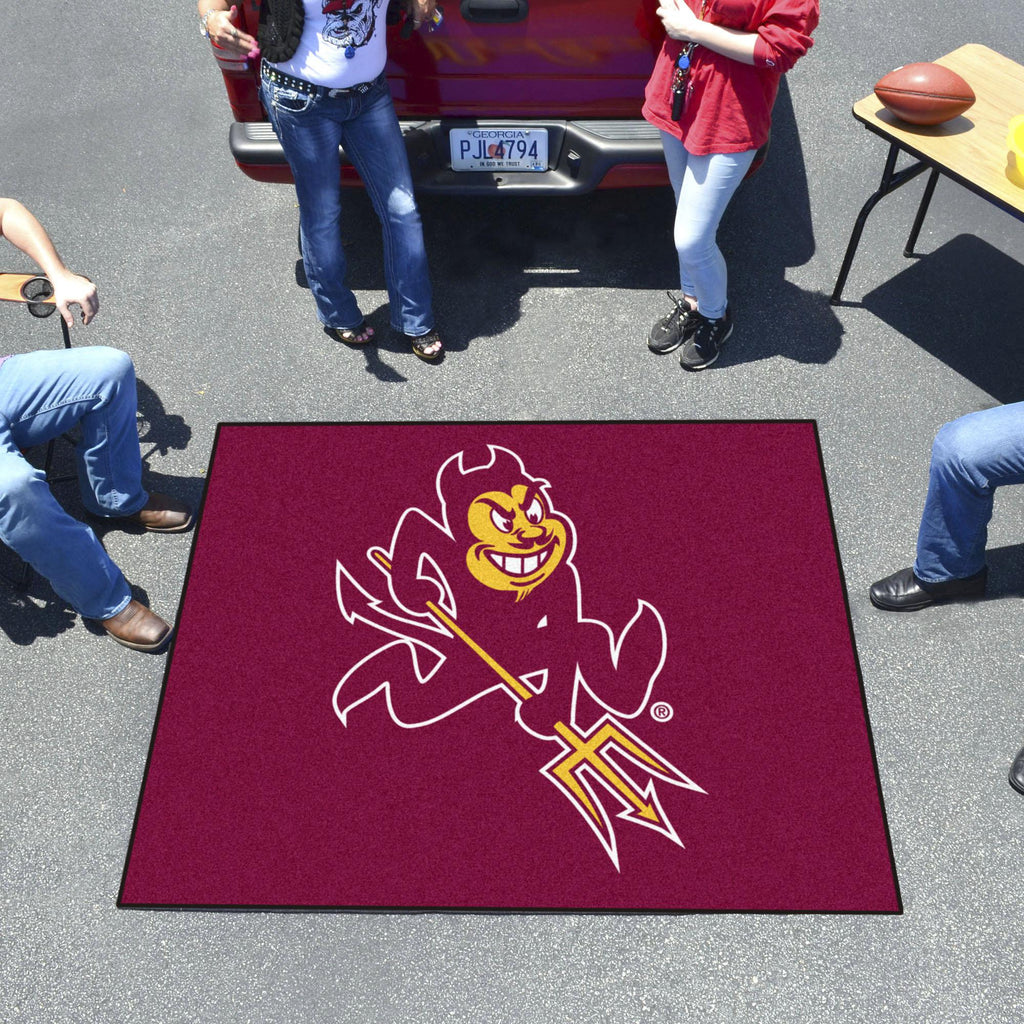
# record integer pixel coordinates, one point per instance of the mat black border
(505, 911)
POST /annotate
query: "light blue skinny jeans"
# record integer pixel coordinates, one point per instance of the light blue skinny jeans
(43, 395)
(310, 129)
(971, 457)
(703, 186)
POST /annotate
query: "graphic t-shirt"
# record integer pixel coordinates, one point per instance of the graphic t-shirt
(342, 43)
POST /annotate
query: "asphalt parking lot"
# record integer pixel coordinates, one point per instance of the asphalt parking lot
(113, 130)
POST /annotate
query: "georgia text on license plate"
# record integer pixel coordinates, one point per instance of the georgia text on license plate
(499, 149)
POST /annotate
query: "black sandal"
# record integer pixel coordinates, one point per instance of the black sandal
(350, 335)
(421, 343)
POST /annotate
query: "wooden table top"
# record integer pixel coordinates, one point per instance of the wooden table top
(971, 147)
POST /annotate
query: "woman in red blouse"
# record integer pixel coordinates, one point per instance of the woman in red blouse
(711, 95)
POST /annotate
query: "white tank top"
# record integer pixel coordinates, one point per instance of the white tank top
(342, 43)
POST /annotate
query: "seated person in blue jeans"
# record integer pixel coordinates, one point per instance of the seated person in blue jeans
(971, 457)
(43, 395)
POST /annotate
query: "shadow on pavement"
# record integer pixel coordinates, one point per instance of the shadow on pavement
(766, 230)
(158, 427)
(486, 253)
(1005, 571)
(964, 304)
(27, 616)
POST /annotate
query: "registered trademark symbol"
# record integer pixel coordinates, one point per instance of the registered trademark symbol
(661, 712)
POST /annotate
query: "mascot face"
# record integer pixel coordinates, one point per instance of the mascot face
(519, 541)
(350, 22)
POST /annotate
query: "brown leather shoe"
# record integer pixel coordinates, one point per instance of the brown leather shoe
(137, 627)
(163, 514)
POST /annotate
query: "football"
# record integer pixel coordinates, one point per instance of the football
(924, 93)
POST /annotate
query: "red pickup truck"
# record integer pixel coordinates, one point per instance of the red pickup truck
(525, 96)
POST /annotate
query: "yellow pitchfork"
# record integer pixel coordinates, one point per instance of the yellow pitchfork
(587, 750)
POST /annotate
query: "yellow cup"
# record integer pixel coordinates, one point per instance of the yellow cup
(1015, 158)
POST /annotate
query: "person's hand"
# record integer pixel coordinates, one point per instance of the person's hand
(421, 11)
(224, 32)
(679, 21)
(74, 290)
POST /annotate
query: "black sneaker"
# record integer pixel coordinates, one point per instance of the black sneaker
(672, 330)
(705, 345)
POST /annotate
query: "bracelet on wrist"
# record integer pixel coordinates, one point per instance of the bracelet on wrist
(203, 28)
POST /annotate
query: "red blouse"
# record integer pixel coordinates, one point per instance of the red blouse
(728, 103)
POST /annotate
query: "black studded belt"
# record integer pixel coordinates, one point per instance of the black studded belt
(271, 74)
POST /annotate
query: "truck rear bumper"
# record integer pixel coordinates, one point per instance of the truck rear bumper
(582, 155)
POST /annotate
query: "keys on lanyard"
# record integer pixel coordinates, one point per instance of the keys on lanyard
(682, 70)
(679, 77)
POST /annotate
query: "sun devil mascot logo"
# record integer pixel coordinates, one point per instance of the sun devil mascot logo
(485, 598)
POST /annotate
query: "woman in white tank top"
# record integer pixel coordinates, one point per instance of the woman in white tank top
(323, 87)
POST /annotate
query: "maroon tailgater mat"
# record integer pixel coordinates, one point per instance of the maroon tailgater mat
(587, 666)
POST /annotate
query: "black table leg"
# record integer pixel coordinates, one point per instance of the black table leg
(891, 180)
(929, 191)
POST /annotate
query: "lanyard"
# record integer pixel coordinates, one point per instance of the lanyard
(682, 71)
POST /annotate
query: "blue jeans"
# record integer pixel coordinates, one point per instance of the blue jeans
(703, 186)
(311, 128)
(971, 457)
(43, 395)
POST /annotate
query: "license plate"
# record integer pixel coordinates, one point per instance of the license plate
(499, 149)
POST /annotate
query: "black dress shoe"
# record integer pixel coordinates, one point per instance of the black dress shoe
(1017, 771)
(904, 592)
